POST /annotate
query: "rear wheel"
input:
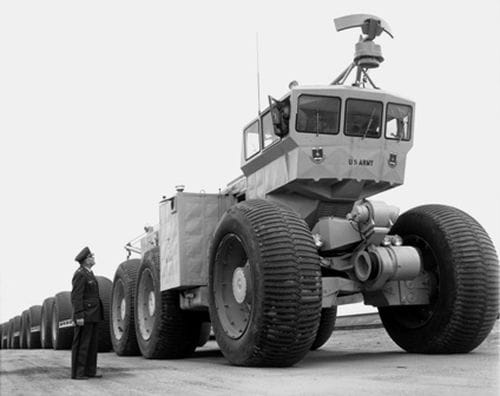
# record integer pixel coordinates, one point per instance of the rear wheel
(62, 323)
(122, 327)
(2, 326)
(33, 334)
(462, 263)
(326, 326)
(104, 338)
(23, 333)
(46, 323)
(14, 333)
(3, 335)
(10, 330)
(264, 285)
(205, 329)
(163, 330)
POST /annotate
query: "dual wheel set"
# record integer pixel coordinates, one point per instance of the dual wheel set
(147, 322)
(265, 291)
(50, 325)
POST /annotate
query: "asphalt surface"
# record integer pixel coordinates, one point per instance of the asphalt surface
(353, 362)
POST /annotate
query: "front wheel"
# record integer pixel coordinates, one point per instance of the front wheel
(264, 285)
(461, 259)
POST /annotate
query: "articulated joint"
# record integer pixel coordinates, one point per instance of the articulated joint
(374, 220)
(378, 264)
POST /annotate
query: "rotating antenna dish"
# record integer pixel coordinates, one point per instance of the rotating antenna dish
(370, 25)
(367, 55)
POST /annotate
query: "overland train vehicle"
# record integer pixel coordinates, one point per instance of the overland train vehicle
(268, 260)
(265, 262)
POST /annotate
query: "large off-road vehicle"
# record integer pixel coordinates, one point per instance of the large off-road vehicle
(267, 261)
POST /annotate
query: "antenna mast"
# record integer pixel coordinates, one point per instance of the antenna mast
(258, 70)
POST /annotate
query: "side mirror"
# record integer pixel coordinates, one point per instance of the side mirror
(280, 114)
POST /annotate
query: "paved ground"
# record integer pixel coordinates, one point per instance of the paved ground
(352, 363)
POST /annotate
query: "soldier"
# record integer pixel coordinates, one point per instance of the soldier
(87, 312)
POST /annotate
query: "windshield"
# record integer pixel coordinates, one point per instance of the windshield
(398, 122)
(252, 141)
(268, 134)
(318, 114)
(363, 118)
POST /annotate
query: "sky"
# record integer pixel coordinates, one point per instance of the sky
(106, 106)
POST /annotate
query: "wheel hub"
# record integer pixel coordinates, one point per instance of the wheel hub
(234, 293)
(55, 325)
(123, 308)
(239, 285)
(118, 309)
(151, 303)
(146, 304)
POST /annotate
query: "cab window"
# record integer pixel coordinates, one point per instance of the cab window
(318, 114)
(398, 122)
(252, 140)
(363, 118)
(268, 130)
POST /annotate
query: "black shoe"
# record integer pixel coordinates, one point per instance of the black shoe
(97, 374)
(81, 377)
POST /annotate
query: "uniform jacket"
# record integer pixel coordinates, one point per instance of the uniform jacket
(85, 297)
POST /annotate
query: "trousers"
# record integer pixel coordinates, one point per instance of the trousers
(84, 350)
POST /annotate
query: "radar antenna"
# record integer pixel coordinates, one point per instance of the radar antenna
(367, 54)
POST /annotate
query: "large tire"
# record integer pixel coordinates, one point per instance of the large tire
(205, 329)
(10, 330)
(163, 330)
(264, 285)
(104, 338)
(461, 260)
(62, 326)
(2, 339)
(122, 327)
(5, 335)
(23, 335)
(326, 326)
(46, 323)
(33, 327)
(14, 332)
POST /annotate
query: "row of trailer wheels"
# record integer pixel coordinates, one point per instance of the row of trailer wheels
(50, 325)
(265, 291)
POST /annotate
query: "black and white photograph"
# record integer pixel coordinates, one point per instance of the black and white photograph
(249, 197)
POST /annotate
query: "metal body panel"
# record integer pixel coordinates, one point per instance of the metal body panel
(187, 222)
(340, 163)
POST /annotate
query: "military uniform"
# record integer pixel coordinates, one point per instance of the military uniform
(87, 306)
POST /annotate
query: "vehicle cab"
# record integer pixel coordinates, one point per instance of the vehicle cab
(329, 143)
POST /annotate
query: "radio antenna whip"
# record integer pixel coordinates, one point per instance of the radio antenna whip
(258, 70)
